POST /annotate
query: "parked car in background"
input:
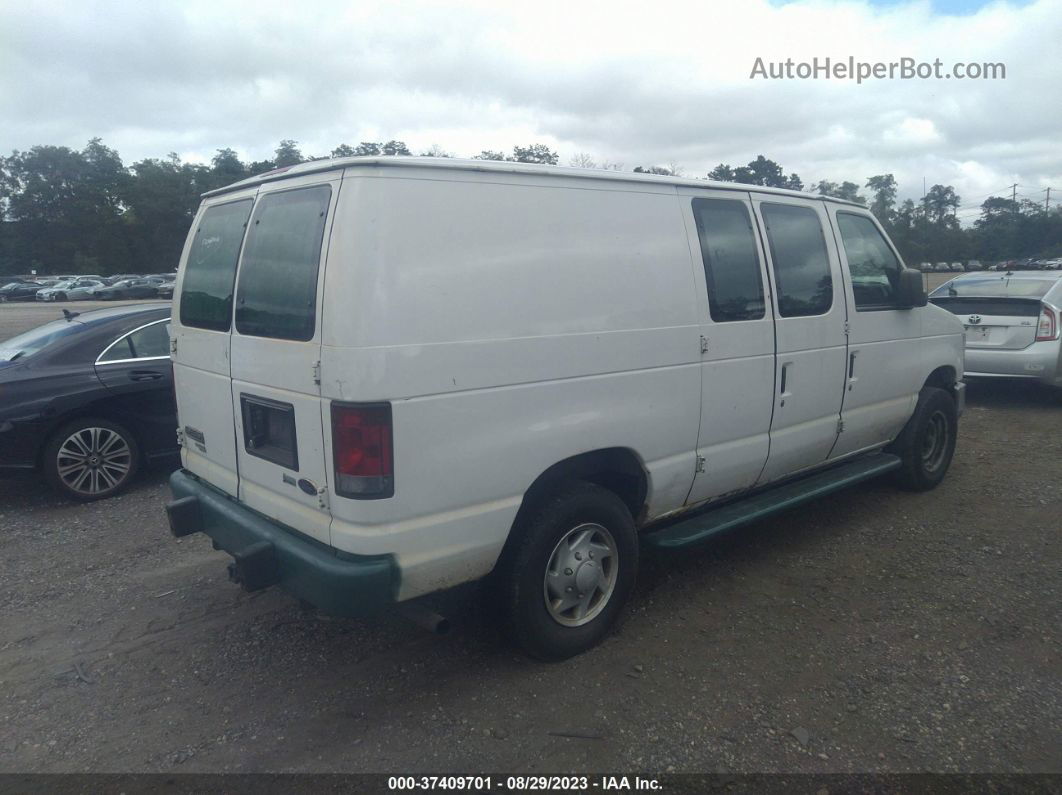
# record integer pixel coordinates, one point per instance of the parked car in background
(126, 289)
(19, 291)
(1012, 323)
(73, 290)
(88, 400)
(165, 290)
(957, 267)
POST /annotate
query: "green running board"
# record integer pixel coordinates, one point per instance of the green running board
(696, 529)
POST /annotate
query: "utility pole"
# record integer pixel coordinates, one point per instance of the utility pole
(1047, 200)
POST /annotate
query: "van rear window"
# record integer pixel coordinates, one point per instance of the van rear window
(1001, 286)
(206, 294)
(277, 292)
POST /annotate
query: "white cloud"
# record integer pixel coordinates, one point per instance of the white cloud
(641, 84)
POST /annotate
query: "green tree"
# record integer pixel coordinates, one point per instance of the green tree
(344, 150)
(395, 148)
(489, 154)
(722, 173)
(535, 153)
(883, 189)
(287, 154)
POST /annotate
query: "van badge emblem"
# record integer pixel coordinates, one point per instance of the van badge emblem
(307, 486)
(975, 320)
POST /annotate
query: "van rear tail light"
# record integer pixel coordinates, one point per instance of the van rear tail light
(362, 450)
(1048, 326)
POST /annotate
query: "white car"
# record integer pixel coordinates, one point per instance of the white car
(71, 290)
(396, 375)
(1012, 323)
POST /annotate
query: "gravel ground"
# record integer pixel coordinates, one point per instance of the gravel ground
(19, 316)
(874, 631)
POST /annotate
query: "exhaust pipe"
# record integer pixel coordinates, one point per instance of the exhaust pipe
(424, 618)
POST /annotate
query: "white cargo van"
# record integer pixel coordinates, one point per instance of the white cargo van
(395, 375)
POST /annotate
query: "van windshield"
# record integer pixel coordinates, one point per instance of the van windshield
(206, 295)
(277, 293)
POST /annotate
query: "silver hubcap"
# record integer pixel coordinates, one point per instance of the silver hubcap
(581, 575)
(94, 460)
(935, 443)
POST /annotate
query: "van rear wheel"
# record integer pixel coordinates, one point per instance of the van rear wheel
(570, 574)
(927, 443)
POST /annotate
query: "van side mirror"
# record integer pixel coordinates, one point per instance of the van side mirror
(910, 291)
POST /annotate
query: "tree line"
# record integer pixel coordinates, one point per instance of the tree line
(84, 211)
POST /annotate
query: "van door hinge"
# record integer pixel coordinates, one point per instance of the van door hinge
(700, 463)
(704, 344)
(317, 372)
(180, 437)
(173, 345)
(846, 328)
(840, 425)
(322, 498)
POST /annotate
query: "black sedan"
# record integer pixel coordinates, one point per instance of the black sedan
(127, 288)
(20, 291)
(88, 399)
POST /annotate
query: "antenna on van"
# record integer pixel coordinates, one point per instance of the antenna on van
(70, 315)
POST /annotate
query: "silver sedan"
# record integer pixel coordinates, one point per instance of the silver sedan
(70, 290)
(1012, 322)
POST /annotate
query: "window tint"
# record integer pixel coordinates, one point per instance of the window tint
(801, 264)
(153, 340)
(731, 263)
(206, 296)
(875, 269)
(277, 293)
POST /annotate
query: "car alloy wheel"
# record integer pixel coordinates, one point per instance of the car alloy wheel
(93, 460)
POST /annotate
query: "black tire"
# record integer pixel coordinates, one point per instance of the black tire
(109, 470)
(927, 443)
(60, 296)
(520, 579)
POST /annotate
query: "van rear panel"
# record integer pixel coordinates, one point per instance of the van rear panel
(248, 352)
(201, 323)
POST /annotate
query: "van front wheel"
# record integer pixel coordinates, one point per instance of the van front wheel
(571, 572)
(927, 443)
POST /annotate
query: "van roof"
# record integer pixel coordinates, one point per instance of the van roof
(506, 167)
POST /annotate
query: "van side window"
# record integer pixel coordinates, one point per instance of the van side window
(206, 297)
(277, 292)
(801, 264)
(875, 269)
(731, 263)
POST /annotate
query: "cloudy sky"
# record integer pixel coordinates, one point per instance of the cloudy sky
(640, 83)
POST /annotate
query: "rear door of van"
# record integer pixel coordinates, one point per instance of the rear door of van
(276, 351)
(200, 333)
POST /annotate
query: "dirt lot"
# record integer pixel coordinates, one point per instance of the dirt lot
(19, 316)
(874, 631)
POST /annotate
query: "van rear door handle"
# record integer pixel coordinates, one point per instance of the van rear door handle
(144, 375)
(785, 373)
(851, 365)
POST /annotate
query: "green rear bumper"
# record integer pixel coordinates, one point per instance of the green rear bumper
(268, 553)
